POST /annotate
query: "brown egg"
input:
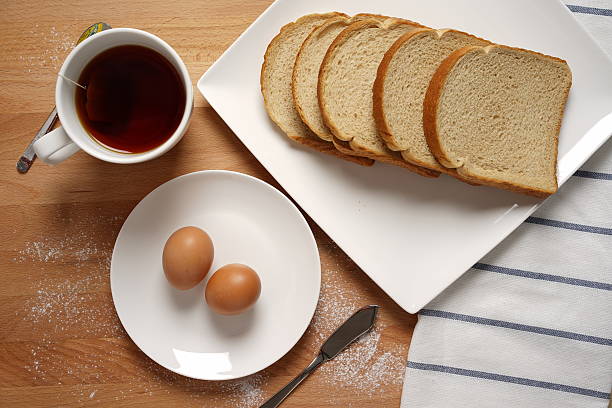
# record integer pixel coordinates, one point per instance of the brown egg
(188, 255)
(233, 289)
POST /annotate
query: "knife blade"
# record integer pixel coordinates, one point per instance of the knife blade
(352, 329)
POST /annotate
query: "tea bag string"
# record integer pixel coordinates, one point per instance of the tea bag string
(70, 80)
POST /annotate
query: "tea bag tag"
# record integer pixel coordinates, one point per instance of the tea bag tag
(70, 80)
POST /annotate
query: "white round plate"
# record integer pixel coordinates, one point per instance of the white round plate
(250, 222)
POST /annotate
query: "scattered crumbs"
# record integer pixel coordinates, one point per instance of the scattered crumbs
(70, 303)
(365, 367)
(244, 393)
(40, 251)
(55, 47)
(335, 306)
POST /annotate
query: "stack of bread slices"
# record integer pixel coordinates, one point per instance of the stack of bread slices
(373, 87)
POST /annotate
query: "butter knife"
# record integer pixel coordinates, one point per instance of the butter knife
(356, 326)
(27, 158)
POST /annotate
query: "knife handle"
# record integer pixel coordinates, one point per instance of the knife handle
(278, 398)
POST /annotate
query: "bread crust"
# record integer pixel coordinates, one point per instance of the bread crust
(350, 149)
(329, 148)
(430, 125)
(341, 141)
(334, 20)
(430, 104)
(372, 16)
(319, 145)
(266, 63)
(384, 130)
(340, 39)
(378, 89)
(346, 21)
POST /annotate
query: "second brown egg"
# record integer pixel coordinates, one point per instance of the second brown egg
(232, 289)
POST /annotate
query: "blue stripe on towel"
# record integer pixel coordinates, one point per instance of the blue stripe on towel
(543, 276)
(508, 379)
(516, 326)
(589, 10)
(593, 175)
(569, 225)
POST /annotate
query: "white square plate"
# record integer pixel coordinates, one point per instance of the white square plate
(413, 236)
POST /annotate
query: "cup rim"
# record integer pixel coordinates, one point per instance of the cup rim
(126, 158)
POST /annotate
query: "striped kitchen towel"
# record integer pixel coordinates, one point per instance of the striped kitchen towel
(530, 325)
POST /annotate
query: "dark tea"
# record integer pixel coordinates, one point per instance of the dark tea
(134, 99)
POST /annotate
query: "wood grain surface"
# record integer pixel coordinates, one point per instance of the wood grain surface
(61, 343)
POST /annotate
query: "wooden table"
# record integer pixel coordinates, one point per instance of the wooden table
(61, 343)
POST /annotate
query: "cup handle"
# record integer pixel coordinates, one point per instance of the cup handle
(55, 146)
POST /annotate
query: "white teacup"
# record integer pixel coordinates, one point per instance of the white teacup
(63, 142)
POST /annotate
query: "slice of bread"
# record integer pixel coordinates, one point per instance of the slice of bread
(345, 84)
(306, 73)
(494, 114)
(306, 70)
(399, 90)
(275, 82)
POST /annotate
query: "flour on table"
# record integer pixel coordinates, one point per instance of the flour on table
(244, 393)
(365, 366)
(61, 305)
(68, 303)
(55, 47)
